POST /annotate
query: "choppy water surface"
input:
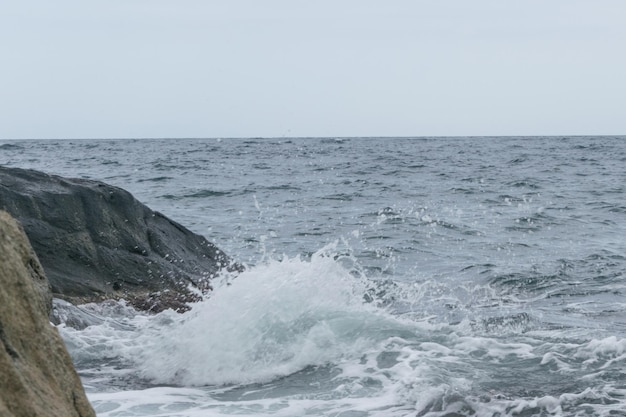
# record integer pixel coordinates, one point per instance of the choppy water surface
(386, 277)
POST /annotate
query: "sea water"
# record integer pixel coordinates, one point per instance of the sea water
(384, 277)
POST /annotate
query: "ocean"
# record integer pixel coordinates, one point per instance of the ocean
(425, 277)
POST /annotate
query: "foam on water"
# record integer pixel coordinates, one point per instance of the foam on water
(271, 321)
(309, 336)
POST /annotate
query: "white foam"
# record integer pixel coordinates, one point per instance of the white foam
(288, 320)
(272, 320)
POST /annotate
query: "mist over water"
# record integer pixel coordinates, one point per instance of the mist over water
(385, 277)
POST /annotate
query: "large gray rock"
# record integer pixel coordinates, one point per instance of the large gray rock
(37, 377)
(96, 241)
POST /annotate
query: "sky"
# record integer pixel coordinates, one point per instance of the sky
(250, 68)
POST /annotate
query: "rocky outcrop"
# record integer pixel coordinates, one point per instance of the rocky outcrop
(37, 377)
(96, 242)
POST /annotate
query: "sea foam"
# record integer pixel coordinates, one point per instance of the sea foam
(286, 323)
(270, 321)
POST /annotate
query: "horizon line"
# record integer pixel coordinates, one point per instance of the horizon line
(320, 137)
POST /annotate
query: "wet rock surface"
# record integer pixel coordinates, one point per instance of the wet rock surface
(96, 242)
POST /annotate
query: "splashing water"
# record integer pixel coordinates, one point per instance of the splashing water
(296, 336)
(269, 322)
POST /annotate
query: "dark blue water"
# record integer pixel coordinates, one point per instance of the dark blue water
(425, 276)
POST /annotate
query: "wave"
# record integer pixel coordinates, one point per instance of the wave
(293, 336)
(10, 147)
(271, 321)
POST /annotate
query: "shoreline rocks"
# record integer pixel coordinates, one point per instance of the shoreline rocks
(96, 242)
(37, 377)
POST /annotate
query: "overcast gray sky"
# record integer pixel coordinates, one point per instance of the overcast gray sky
(250, 68)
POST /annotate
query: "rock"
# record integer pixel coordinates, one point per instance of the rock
(97, 242)
(37, 377)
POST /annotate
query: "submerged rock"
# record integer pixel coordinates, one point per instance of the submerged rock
(37, 377)
(96, 242)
